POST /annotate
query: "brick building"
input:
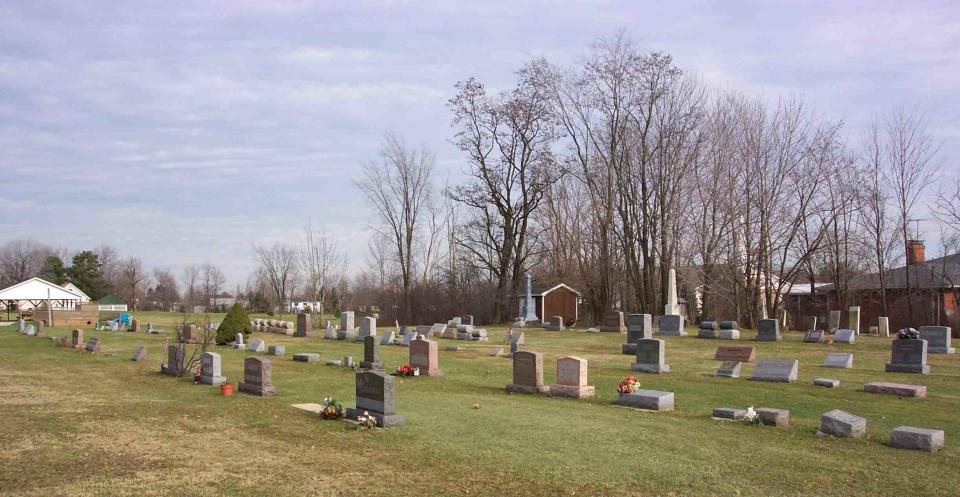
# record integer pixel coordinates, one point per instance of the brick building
(932, 300)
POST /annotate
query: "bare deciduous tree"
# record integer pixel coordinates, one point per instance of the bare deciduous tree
(132, 278)
(190, 277)
(507, 140)
(910, 153)
(323, 264)
(278, 262)
(398, 187)
(21, 259)
(211, 281)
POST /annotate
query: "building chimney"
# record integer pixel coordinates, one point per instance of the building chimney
(915, 252)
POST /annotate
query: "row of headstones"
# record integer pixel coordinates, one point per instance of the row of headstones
(842, 424)
(134, 327)
(572, 381)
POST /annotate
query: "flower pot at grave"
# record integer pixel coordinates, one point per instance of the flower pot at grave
(226, 389)
(828, 341)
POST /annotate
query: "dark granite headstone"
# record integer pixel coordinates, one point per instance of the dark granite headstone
(908, 356)
(371, 353)
(375, 396)
(768, 330)
(651, 355)
(639, 326)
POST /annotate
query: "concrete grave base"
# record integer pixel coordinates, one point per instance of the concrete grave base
(574, 391)
(650, 368)
(213, 380)
(257, 389)
(728, 334)
(309, 407)
(383, 420)
(907, 368)
(527, 389)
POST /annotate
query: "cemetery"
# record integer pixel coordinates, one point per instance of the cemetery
(866, 417)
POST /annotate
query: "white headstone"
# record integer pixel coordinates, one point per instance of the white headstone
(256, 346)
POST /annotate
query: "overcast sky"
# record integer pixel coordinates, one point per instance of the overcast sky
(185, 132)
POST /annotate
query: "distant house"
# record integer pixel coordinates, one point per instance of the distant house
(302, 306)
(45, 301)
(222, 300)
(35, 292)
(932, 300)
(554, 300)
(70, 287)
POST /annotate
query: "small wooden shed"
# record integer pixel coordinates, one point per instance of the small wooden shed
(556, 300)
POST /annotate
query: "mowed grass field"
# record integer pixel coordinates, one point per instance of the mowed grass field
(77, 424)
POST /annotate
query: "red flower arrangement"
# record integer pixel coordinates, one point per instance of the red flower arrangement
(629, 384)
(407, 370)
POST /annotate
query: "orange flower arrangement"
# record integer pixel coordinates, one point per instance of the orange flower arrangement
(629, 384)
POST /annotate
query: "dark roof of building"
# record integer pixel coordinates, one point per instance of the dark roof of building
(541, 288)
(943, 272)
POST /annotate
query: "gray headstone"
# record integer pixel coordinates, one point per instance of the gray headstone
(908, 437)
(672, 325)
(330, 333)
(306, 357)
(371, 353)
(826, 382)
(908, 356)
(387, 339)
(277, 350)
(527, 373)
(728, 414)
(140, 354)
(842, 424)
(346, 321)
(938, 339)
(407, 338)
(368, 327)
(648, 399)
(376, 395)
(838, 360)
(844, 336)
(651, 357)
(176, 356)
(768, 330)
(782, 370)
(210, 369)
(813, 336)
(639, 326)
(729, 369)
(256, 345)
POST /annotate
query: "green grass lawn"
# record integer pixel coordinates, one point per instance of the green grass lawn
(80, 424)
